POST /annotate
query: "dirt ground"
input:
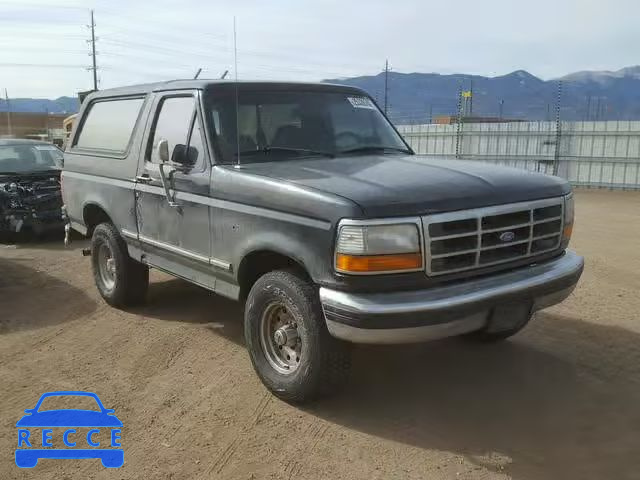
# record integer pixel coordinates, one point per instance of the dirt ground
(561, 400)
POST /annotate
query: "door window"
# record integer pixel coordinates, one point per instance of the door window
(172, 124)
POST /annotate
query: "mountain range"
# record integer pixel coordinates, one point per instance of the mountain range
(419, 97)
(59, 105)
(601, 95)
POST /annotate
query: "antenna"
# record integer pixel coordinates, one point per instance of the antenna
(224, 75)
(197, 73)
(235, 69)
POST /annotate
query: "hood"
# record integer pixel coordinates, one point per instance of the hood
(396, 185)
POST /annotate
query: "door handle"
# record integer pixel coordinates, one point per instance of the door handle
(143, 179)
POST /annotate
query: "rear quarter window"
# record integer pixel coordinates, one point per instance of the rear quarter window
(109, 124)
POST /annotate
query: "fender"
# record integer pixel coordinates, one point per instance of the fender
(289, 244)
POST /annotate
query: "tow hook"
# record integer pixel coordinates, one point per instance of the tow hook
(67, 226)
(67, 235)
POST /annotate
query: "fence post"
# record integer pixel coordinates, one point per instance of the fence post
(556, 155)
(459, 125)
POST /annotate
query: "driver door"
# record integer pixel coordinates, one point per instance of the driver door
(174, 230)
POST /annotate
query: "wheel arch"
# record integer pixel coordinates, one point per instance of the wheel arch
(93, 215)
(260, 261)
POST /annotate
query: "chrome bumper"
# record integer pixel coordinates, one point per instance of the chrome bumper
(415, 316)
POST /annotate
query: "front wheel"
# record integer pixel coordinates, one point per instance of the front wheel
(120, 279)
(290, 347)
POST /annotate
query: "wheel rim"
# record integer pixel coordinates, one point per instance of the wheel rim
(280, 339)
(106, 266)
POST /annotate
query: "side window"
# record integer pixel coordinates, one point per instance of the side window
(172, 124)
(109, 124)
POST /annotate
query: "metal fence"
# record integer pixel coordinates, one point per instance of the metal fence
(602, 154)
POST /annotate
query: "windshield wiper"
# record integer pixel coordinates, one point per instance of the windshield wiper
(304, 151)
(374, 148)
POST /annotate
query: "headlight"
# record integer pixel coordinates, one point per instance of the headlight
(568, 219)
(386, 248)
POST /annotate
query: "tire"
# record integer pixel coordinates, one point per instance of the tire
(324, 362)
(127, 281)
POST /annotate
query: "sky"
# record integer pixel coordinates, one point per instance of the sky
(44, 49)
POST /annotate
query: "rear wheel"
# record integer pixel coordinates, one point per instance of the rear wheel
(120, 279)
(290, 347)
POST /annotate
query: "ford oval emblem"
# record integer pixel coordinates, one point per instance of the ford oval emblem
(507, 237)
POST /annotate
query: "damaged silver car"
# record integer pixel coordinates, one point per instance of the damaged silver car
(30, 197)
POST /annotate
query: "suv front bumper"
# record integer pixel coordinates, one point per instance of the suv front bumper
(454, 309)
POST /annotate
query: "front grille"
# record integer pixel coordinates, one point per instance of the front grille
(482, 237)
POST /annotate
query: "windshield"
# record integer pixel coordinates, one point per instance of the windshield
(64, 402)
(29, 158)
(281, 125)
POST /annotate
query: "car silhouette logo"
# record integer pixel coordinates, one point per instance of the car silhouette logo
(507, 237)
(69, 420)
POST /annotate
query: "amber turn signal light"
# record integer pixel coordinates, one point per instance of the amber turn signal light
(378, 263)
(568, 230)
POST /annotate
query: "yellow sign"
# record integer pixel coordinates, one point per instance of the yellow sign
(467, 94)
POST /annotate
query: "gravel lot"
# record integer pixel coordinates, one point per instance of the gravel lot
(560, 400)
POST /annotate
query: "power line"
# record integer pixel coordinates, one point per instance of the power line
(40, 65)
(43, 49)
(169, 53)
(43, 5)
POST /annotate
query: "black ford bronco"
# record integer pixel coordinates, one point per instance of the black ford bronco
(304, 202)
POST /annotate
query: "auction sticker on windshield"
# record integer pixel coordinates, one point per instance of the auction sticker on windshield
(361, 102)
(87, 431)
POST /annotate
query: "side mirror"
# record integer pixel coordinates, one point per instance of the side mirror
(163, 151)
(184, 156)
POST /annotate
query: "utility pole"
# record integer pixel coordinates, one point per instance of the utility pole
(93, 68)
(6, 96)
(471, 98)
(386, 85)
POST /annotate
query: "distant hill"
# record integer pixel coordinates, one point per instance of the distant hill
(59, 105)
(595, 95)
